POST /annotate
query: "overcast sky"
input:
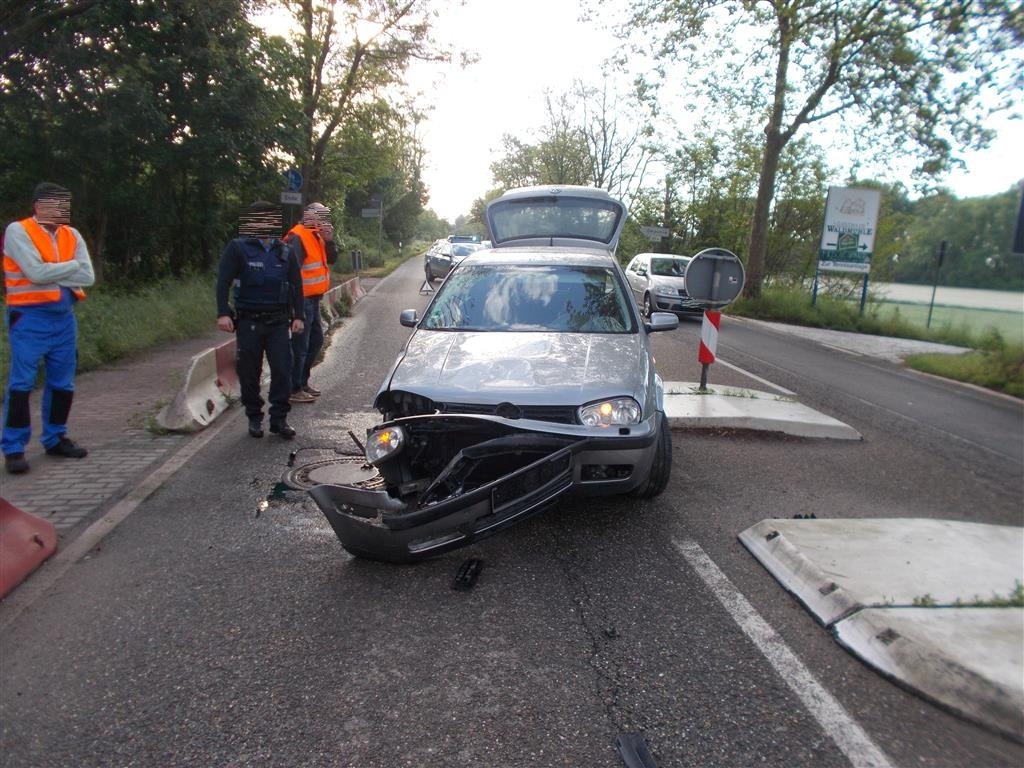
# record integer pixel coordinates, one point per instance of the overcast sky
(529, 46)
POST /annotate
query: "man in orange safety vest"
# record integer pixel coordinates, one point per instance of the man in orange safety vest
(313, 243)
(46, 266)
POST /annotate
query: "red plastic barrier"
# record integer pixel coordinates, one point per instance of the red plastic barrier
(26, 541)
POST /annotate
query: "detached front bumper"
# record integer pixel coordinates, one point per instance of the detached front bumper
(375, 525)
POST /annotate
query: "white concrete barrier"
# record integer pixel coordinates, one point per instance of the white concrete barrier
(199, 401)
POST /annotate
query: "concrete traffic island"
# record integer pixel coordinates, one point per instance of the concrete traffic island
(925, 602)
(739, 408)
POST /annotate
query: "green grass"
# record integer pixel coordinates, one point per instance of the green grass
(997, 338)
(972, 322)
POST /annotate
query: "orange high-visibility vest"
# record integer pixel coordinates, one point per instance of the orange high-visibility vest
(316, 276)
(20, 290)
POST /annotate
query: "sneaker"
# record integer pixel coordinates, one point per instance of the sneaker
(67, 449)
(255, 427)
(281, 428)
(312, 391)
(15, 463)
(300, 397)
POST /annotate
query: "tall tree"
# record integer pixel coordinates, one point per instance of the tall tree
(23, 20)
(912, 76)
(156, 115)
(351, 54)
(590, 137)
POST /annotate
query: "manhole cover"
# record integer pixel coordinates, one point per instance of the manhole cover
(345, 470)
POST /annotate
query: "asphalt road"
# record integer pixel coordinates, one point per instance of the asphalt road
(223, 625)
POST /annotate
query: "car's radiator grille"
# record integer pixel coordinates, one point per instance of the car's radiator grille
(561, 414)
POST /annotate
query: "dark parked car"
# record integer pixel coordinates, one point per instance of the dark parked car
(529, 375)
(438, 261)
(656, 280)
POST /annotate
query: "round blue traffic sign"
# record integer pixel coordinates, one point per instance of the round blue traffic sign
(294, 179)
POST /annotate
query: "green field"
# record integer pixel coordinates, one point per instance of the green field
(975, 322)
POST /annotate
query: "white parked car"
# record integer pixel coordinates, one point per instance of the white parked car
(656, 280)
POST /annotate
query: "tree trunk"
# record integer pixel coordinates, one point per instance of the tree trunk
(758, 245)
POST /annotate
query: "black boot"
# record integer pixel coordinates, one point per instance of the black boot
(255, 426)
(281, 428)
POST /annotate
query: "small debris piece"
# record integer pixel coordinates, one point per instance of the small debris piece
(467, 574)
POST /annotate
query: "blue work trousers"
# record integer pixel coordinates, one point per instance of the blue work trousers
(307, 345)
(51, 336)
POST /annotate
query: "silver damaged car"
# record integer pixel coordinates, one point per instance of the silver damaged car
(529, 376)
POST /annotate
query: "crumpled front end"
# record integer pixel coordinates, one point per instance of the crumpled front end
(451, 481)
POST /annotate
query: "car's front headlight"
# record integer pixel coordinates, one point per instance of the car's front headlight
(384, 443)
(608, 413)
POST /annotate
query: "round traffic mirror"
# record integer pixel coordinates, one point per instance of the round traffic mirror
(714, 275)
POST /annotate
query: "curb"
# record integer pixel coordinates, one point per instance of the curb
(738, 408)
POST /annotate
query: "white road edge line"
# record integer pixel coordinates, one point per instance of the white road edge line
(52, 570)
(837, 723)
(767, 383)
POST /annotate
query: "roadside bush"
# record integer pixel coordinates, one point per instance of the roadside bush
(995, 365)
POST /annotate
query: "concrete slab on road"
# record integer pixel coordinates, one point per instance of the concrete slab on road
(740, 408)
(969, 659)
(903, 594)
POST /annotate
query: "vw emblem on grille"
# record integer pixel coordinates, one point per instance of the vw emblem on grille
(508, 411)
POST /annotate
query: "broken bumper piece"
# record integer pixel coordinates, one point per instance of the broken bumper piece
(374, 525)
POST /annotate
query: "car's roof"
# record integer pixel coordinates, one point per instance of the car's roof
(533, 257)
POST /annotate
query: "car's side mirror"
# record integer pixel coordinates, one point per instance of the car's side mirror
(641, 270)
(661, 321)
(409, 318)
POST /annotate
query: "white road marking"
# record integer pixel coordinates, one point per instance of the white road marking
(834, 720)
(767, 383)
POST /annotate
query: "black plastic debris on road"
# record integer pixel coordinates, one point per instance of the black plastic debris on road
(634, 751)
(467, 574)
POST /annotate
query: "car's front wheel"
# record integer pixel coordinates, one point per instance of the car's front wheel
(426, 271)
(648, 306)
(661, 467)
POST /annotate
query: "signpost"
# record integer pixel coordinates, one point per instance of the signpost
(294, 179)
(655, 233)
(378, 214)
(293, 194)
(848, 236)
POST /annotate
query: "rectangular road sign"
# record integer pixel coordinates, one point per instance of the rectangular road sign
(291, 198)
(370, 213)
(848, 237)
(655, 233)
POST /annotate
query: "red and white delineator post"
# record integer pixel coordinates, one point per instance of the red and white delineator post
(708, 344)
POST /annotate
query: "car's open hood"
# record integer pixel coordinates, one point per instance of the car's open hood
(524, 368)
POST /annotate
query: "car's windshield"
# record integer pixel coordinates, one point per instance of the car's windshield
(586, 218)
(563, 299)
(669, 267)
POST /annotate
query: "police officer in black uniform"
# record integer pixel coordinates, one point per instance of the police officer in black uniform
(267, 310)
